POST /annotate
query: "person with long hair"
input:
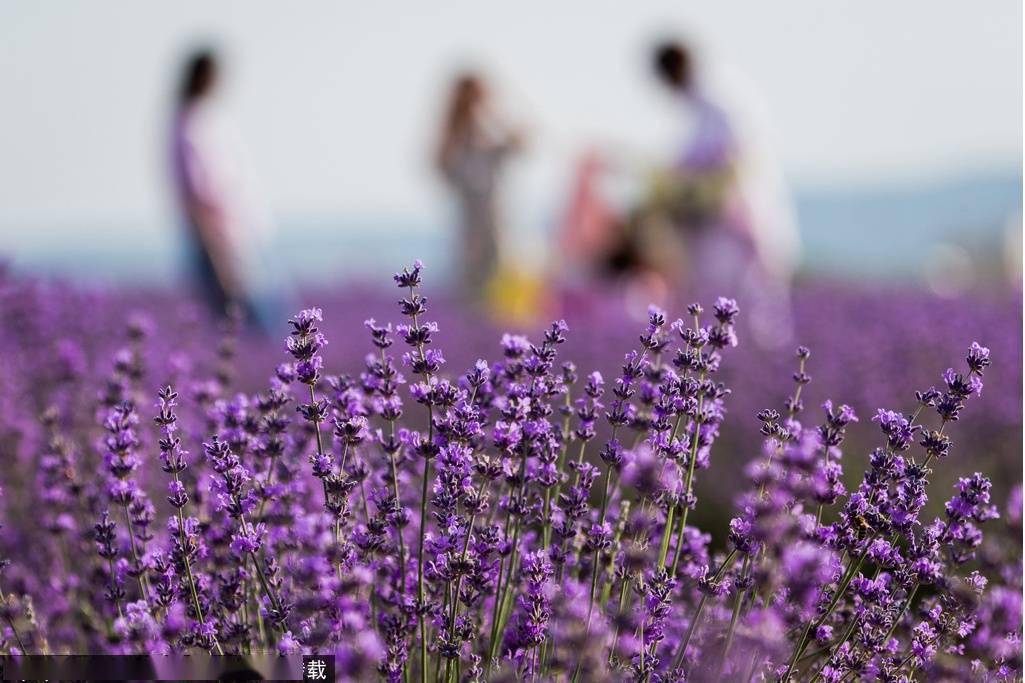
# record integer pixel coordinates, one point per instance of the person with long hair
(474, 146)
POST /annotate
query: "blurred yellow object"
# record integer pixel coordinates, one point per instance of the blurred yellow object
(689, 198)
(663, 186)
(515, 296)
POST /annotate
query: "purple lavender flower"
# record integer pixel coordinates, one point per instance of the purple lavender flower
(531, 518)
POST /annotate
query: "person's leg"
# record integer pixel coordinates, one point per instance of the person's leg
(479, 246)
(207, 283)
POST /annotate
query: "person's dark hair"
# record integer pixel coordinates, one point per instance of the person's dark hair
(673, 65)
(468, 90)
(198, 76)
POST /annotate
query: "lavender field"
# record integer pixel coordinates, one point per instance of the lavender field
(432, 496)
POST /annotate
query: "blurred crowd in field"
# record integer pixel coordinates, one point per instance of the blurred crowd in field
(710, 215)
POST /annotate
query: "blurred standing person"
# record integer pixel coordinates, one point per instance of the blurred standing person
(726, 194)
(475, 144)
(227, 225)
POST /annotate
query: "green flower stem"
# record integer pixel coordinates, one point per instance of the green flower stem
(849, 575)
(737, 604)
(682, 652)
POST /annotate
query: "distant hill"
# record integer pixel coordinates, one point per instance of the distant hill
(890, 232)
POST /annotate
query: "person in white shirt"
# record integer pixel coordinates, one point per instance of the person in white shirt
(228, 227)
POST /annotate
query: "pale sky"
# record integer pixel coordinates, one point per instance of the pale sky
(339, 100)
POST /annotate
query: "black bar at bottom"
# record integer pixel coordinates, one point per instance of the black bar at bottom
(200, 667)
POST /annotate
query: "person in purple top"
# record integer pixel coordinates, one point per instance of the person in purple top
(727, 200)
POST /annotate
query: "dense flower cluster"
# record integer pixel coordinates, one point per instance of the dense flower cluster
(525, 518)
